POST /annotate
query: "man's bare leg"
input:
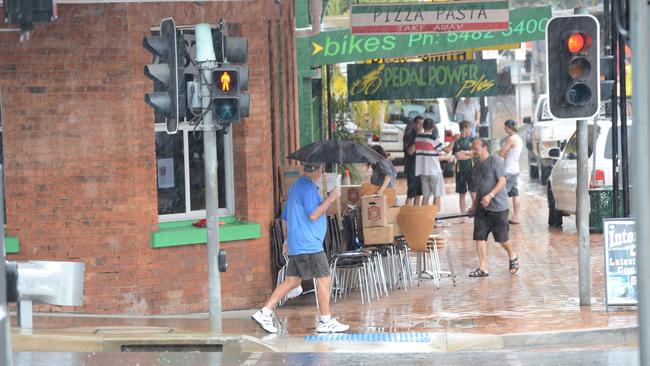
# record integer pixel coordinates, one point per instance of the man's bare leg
(481, 249)
(515, 209)
(323, 287)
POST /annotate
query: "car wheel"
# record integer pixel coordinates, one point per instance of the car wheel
(554, 216)
(543, 173)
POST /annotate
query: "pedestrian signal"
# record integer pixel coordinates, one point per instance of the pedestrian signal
(226, 81)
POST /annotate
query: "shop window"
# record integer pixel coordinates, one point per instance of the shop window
(181, 175)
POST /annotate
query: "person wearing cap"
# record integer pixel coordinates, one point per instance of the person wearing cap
(510, 152)
(305, 219)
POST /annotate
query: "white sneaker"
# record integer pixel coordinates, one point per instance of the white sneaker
(332, 326)
(264, 321)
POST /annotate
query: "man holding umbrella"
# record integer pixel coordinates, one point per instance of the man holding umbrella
(306, 223)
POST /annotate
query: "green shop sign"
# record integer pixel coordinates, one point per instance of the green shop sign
(422, 80)
(332, 47)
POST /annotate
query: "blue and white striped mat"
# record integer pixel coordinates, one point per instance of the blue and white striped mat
(371, 337)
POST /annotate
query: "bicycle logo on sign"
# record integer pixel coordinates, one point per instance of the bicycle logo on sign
(368, 84)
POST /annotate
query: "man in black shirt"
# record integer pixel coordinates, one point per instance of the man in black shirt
(414, 190)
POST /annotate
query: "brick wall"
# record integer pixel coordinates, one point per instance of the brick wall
(80, 156)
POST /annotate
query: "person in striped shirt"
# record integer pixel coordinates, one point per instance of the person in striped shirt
(429, 147)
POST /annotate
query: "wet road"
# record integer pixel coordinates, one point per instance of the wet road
(622, 356)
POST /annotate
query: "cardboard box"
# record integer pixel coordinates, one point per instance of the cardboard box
(391, 218)
(373, 211)
(378, 235)
(350, 195)
(288, 175)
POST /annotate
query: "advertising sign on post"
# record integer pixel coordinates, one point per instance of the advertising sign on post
(422, 80)
(454, 16)
(337, 46)
(619, 239)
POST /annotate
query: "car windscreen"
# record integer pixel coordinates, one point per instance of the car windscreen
(571, 149)
(608, 144)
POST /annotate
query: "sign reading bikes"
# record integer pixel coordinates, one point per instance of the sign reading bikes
(413, 80)
(432, 17)
(332, 47)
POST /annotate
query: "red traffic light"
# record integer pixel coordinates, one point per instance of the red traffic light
(578, 42)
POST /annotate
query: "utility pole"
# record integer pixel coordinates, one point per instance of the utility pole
(206, 60)
(639, 25)
(5, 338)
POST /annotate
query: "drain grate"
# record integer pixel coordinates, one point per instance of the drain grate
(372, 337)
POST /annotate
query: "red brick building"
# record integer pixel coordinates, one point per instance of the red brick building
(81, 152)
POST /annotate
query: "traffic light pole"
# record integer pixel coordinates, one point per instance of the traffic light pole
(582, 214)
(582, 206)
(639, 13)
(211, 181)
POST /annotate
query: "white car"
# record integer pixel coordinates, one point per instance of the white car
(562, 183)
(392, 133)
(545, 133)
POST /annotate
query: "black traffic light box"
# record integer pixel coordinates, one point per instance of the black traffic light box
(573, 66)
(231, 101)
(169, 98)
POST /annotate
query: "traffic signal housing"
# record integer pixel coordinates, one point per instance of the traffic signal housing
(231, 101)
(573, 66)
(169, 98)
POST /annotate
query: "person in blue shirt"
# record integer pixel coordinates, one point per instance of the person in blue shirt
(306, 223)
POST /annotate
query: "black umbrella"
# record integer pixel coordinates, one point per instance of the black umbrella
(336, 151)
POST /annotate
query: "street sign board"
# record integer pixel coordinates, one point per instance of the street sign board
(416, 80)
(337, 46)
(454, 16)
(619, 239)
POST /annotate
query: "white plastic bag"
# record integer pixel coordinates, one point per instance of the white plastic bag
(295, 292)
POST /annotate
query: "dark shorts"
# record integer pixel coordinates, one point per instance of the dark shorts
(414, 186)
(511, 185)
(308, 266)
(486, 222)
(464, 182)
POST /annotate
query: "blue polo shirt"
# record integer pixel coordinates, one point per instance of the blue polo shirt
(303, 235)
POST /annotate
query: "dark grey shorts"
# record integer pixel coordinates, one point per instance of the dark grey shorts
(308, 266)
(486, 222)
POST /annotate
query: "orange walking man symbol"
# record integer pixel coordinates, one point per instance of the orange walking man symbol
(225, 81)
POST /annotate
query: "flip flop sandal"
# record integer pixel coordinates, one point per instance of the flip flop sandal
(478, 273)
(514, 264)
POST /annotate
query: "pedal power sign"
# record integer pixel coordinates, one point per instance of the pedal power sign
(421, 80)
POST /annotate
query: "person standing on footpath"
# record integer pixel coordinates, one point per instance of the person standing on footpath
(510, 153)
(464, 166)
(471, 111)
(306, 224)
(414, 185)
(428, 148)
(490, 208)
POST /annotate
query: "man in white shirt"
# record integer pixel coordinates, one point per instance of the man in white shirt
(471, 111)
(510, 153)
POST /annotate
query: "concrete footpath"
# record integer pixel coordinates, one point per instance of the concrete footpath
(537, 307)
